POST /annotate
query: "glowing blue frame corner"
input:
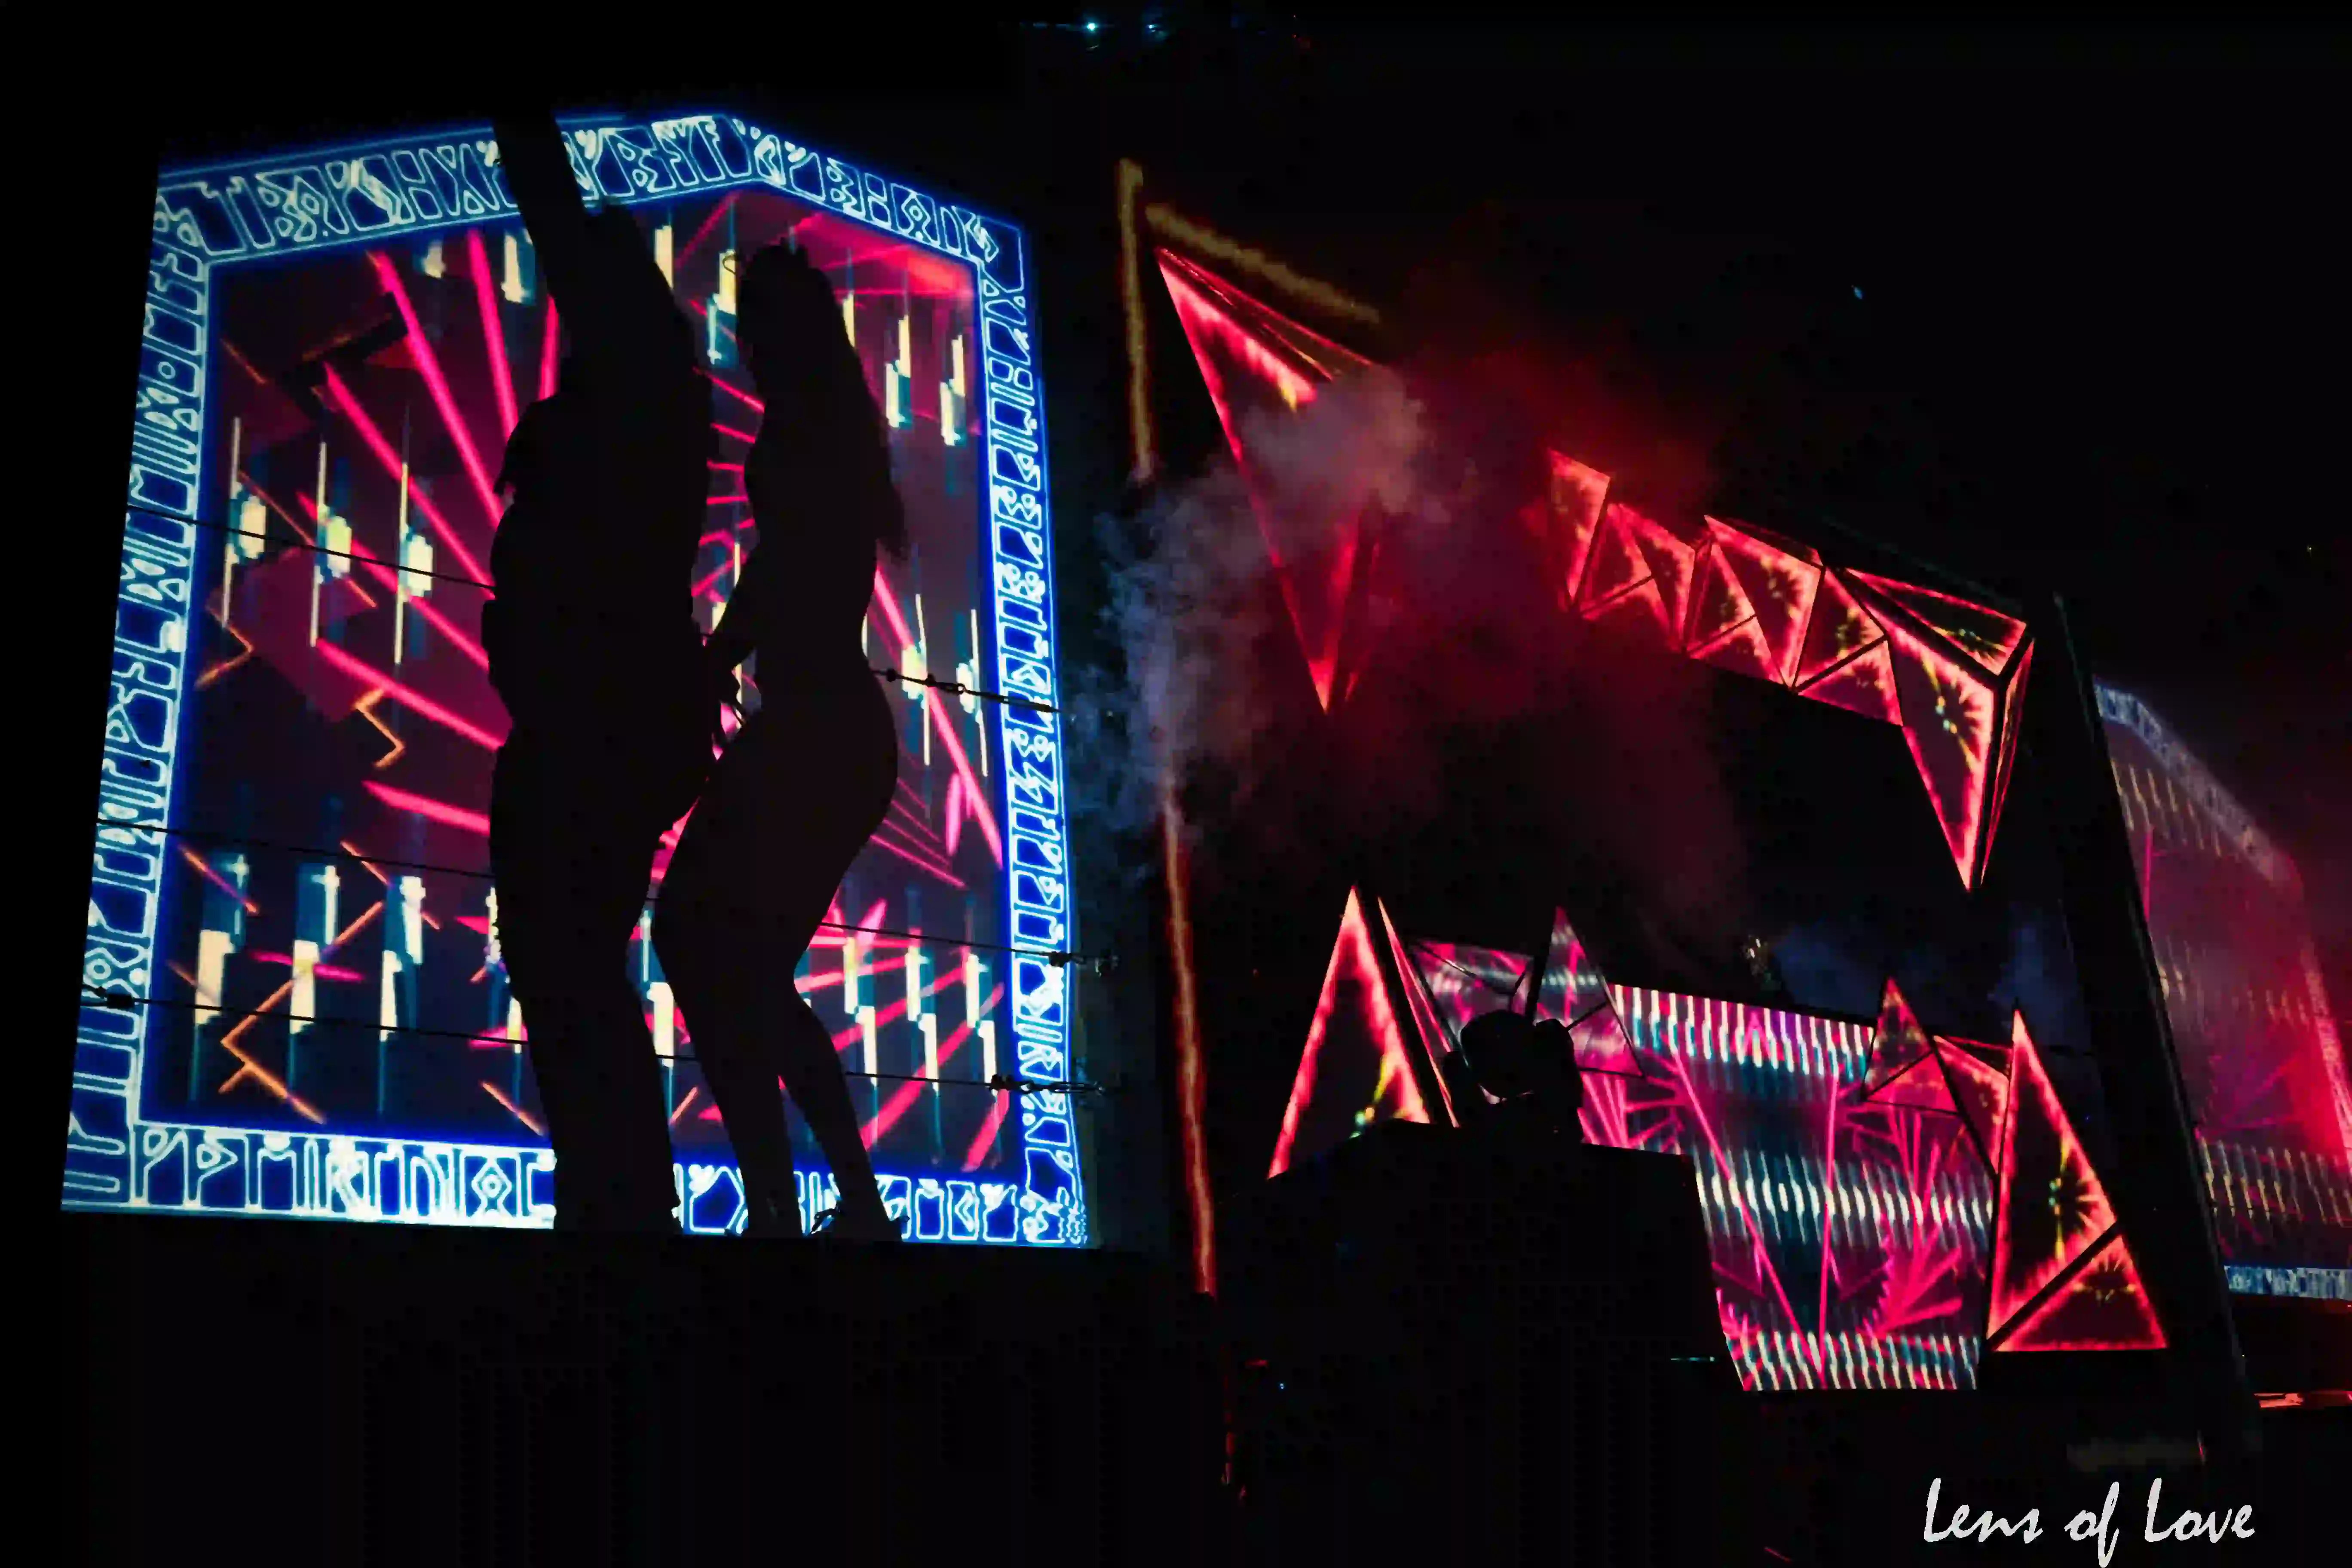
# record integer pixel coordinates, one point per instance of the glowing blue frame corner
(264, 209)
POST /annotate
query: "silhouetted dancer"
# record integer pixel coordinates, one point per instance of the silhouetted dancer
(809, 777)
(594, 649)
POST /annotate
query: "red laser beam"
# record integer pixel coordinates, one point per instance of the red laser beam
(323, 971)
(272, 502)
(373, 437)
(244, 363)
(408, 697)
(734, 391)
(974, 799)
(432, 810)
(731, 430)
(271, 1082)
(205, 869)
(494, 334)
(726, 205)
(692, 1091)
(548, 351)
(369, 866)
(420, 348)
(519, 1113)
(229, 1041)
(224, 665)
(986, 1138)
(914, 856)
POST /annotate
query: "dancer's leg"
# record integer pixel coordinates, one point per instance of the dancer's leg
(715, 973)
(812, 1072)
(715, 948)
(570, 883)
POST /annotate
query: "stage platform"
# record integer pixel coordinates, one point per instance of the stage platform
(274, 1392)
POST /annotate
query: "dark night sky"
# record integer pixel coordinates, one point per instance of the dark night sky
(2100, 338)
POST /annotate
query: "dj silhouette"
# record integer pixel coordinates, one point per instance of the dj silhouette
(594, 649)
(810, 776)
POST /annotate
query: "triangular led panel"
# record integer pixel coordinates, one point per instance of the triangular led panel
(1640, 611)
(1464, 982)
(1600, 1044)
(1673, 563)
(1838, 629)
(2051, 1208)
(1577, 492)
(1435, 1039)
(1779, 583)
(1899, 1042)
(2103, 1306)
(1742, 651)
(2012, 713)
(1948, 719)
(1986, 636)
(1572, 984)
(1982, 1093)
(1920, 1086)
(1617, 563)
(1241, 350)
(1718, 602)
(1309, 354)
(1864, 684)
(1355, 1071)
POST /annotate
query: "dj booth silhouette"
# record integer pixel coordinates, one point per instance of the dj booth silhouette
(1499, 1339)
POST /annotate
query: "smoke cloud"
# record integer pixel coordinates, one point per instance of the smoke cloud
(1461, 676)
(1193, 594)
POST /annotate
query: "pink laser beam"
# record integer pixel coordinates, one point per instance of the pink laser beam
(494, 334)
(721, 210)
(408, 697)
(549, 349)
(987, 1134)
(432, 810)
(732, 390)
(373, 437)
(975, 800)
(420, 348)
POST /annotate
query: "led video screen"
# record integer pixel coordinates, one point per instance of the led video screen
(293, 1000)
(2252, 1025)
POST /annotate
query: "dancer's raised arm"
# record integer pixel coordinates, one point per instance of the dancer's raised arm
(539, 173)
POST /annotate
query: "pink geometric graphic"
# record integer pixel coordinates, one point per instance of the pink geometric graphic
(1354, 1073)
(1899, 1043)
(1850, 1236)
(1949, 672)
(2053, 1209)
(1981, 1092)
(1247, 351)
(1922, 1085)
(2102, 1306)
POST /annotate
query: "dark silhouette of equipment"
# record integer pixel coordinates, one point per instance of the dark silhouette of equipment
(1528, 1068)
(1493, 1339)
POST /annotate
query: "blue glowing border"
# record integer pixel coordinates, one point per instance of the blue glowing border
(269, 208)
